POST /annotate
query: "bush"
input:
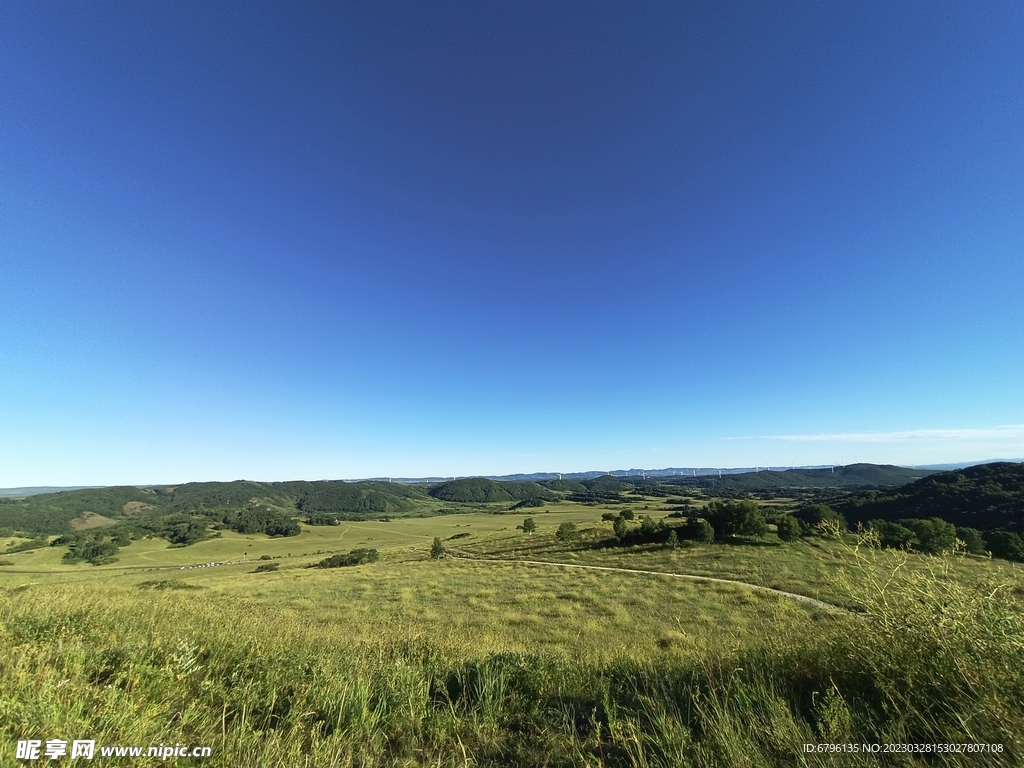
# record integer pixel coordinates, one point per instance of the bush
(529, 525)
(355, 557)
(267, 567)
(437, 549)
(626, 514)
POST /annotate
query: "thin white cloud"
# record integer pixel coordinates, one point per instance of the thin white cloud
(1011, 431)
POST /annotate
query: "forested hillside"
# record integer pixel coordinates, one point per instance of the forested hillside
(482, 490)
(985, 497)
(849, 477)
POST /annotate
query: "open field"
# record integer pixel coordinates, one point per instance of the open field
(414, 661)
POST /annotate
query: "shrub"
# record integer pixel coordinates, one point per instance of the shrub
(437, 549)
(355, 557)
(529, 526)
(267, 567)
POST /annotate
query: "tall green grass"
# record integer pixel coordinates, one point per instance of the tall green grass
(931, 659)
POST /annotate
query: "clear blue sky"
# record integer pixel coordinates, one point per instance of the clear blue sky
(312, 240)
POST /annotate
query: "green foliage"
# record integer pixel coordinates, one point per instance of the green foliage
(37, 543)
(1006, 544)
(97, 550)
(355, 557)
(259, 519)
(788, 528)
(893, 535)
(567, 533)
(268, 567)
(704, 533)
(365, 498)
(934, 536)
(481, 490)
(735, 518)
(322, 518)
(647, 525)
(673, 539)
(815, 516)
(529, 525)
(619, 528)
(437, 549)
(609, 516)
(50, 513)
(626, 514)
(986, 497)
(850, 477)
(971, 538)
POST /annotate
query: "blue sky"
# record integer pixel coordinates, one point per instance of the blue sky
(299, 240)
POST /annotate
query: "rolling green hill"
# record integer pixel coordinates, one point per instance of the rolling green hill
(849, 477)
(481, 490)
(367, 498)
(985, 497)
(51, 513)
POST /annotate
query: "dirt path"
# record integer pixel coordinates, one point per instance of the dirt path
(820, 604)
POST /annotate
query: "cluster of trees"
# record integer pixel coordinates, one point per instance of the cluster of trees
(260, 519)
(355, 557)
(480, 490)
(735, 518)
(97, 547)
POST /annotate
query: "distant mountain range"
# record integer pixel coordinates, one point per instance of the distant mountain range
(895, 477)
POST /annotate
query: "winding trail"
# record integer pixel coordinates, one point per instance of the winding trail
(820, 604)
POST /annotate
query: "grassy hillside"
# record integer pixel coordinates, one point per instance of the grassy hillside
(50, 513)
(985, 497)
(455, 662)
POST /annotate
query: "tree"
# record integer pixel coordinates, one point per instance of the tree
(934, 536)
(673, 539)
(437, 550)
(567, 533)
(647, 525)
(971, 537)
(736, 518)
(529, 526)
(788, 528)
(705, 534)
(619, 528)
(814, 515)
(1005, 544)
(626, 514)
